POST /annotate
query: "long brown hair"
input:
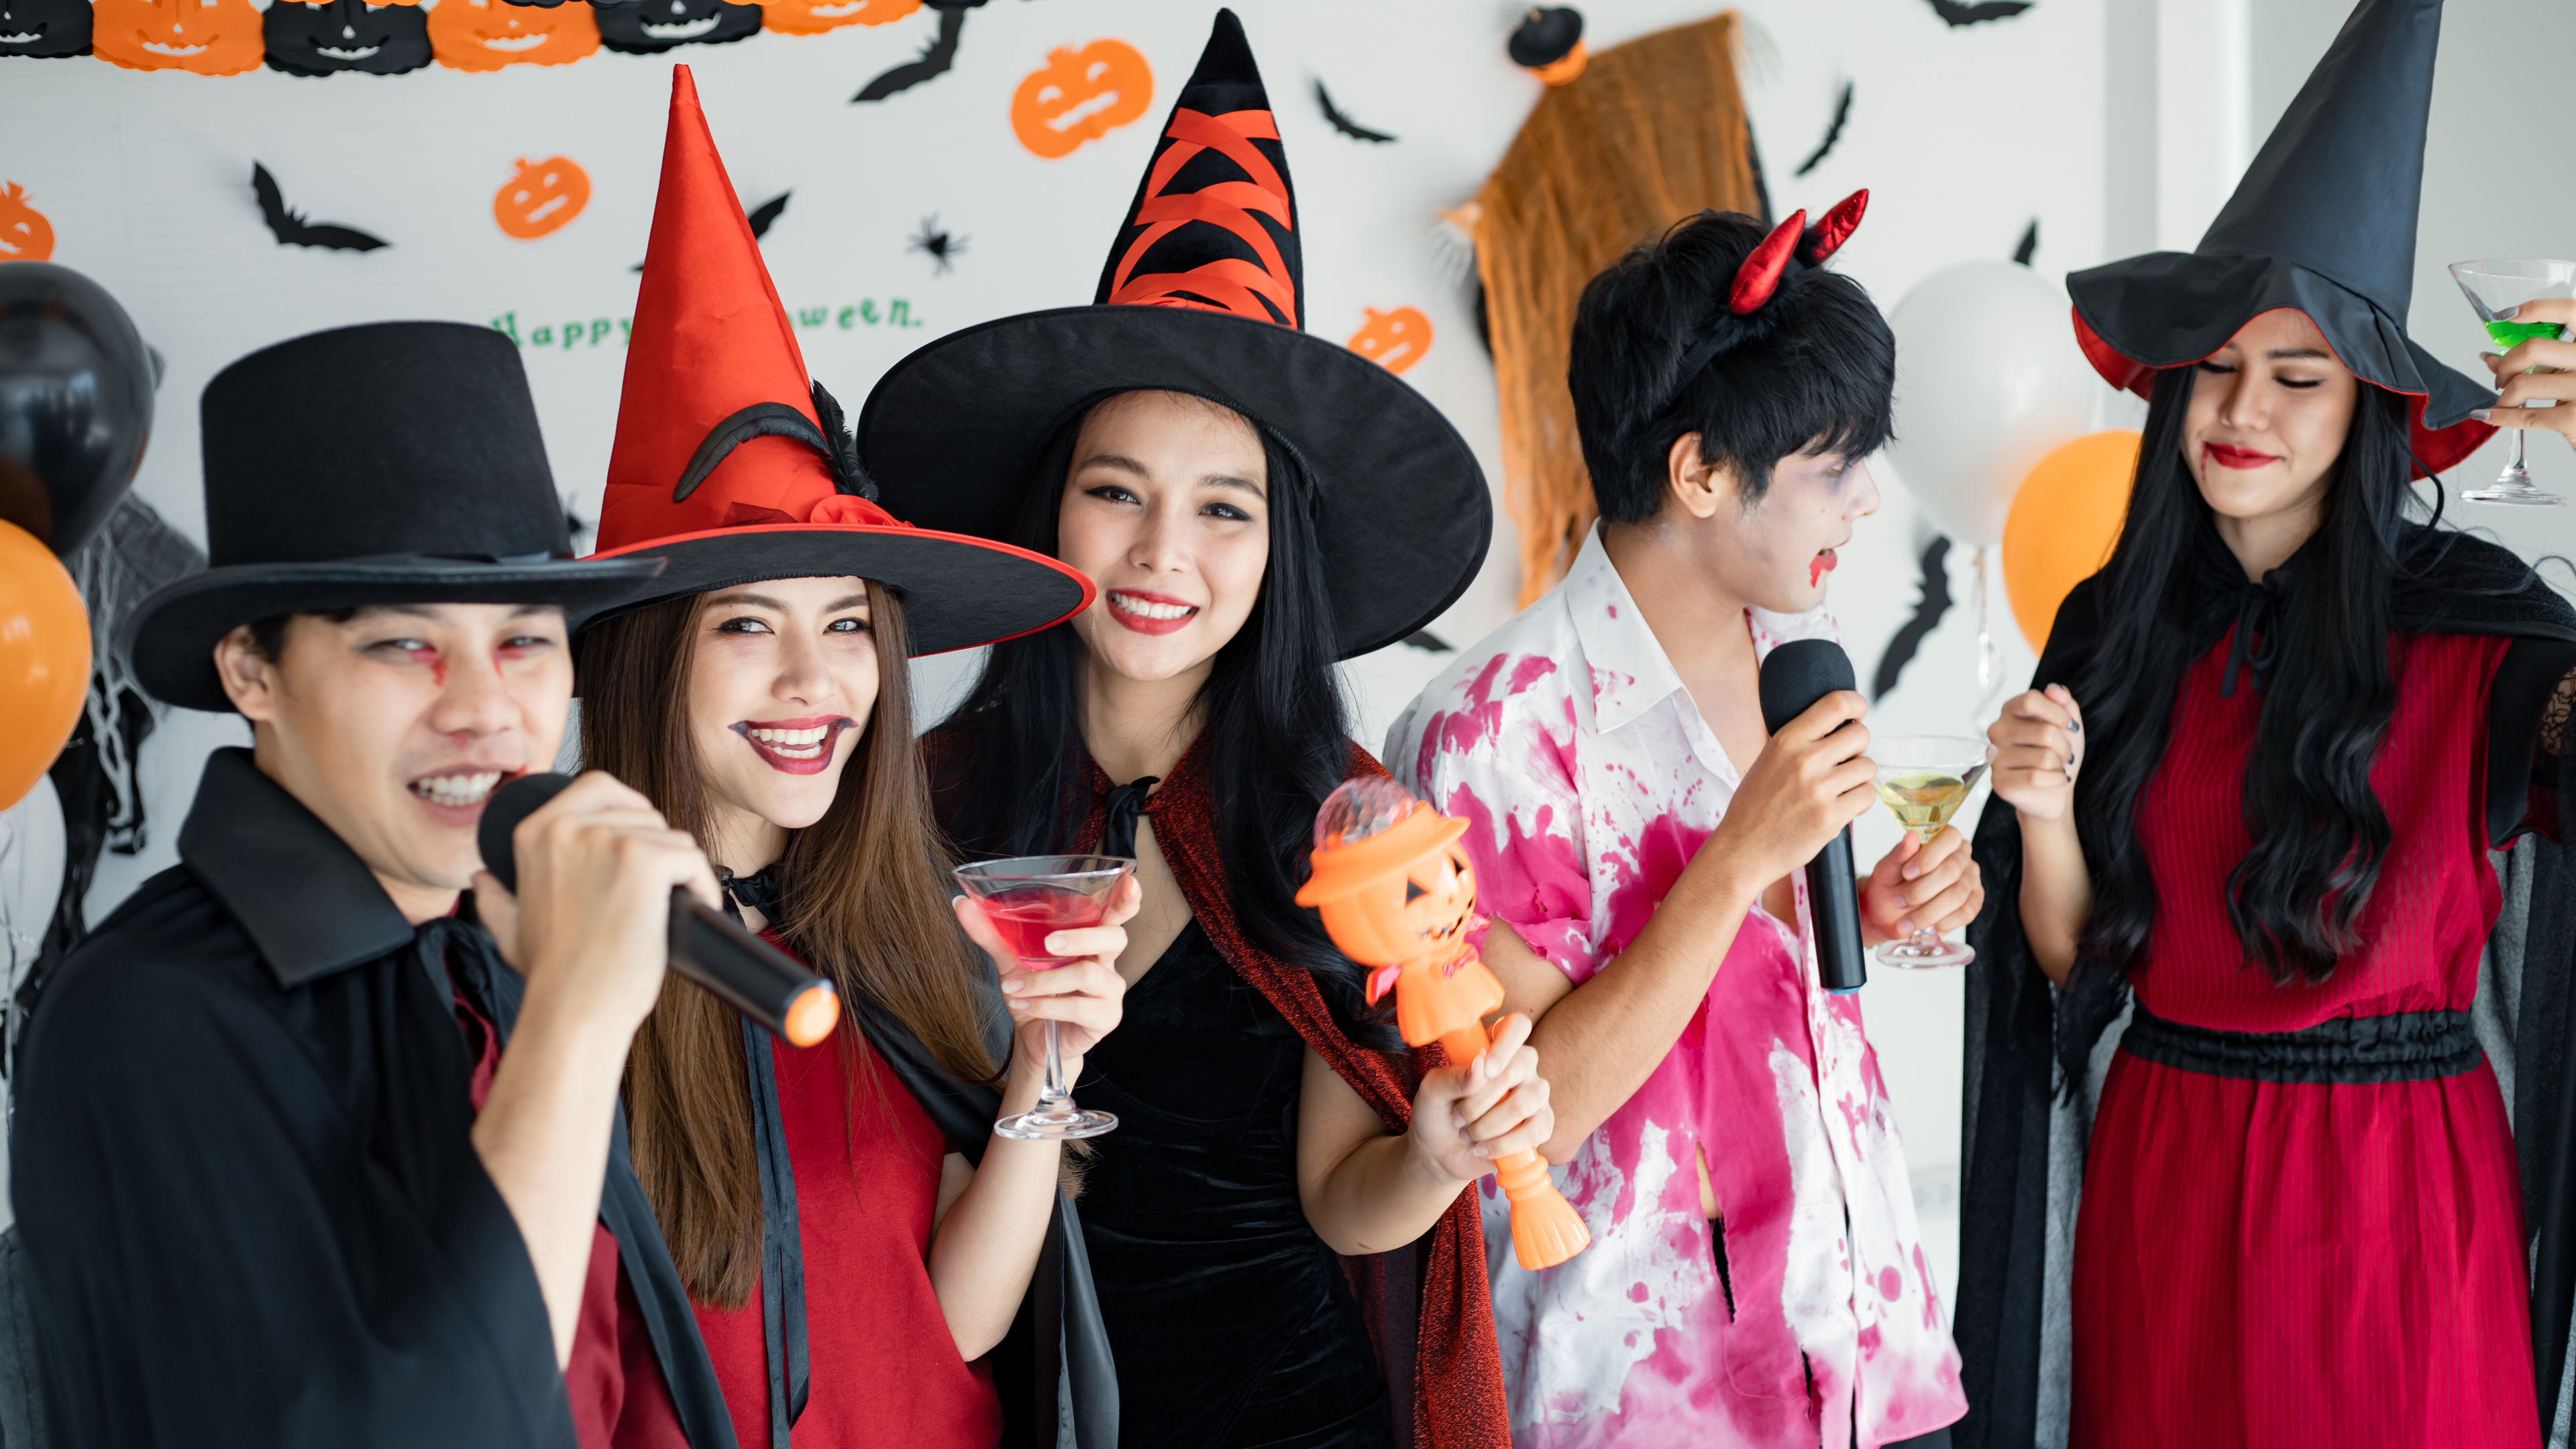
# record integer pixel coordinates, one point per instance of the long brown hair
(866, 905)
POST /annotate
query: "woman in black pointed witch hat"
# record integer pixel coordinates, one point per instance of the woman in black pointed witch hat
(1254, 504)
(856, 1242)
(2254, 794)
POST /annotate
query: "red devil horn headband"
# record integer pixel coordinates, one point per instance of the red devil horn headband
(1760, 275)
(1826, 237)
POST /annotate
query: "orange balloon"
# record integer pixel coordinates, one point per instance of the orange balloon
(2063, 523)
(44, 660)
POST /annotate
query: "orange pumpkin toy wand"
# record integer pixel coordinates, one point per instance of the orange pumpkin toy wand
(1397, 895)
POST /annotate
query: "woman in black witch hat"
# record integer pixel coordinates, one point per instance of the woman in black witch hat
(2274, 742)
(856, 1242)
(1253, 504)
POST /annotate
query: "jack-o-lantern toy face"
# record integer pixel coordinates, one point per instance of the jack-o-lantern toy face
(25, 235)
(541, 197)
(813, 17)
(642, 27)
(489, 34)
(345, 35)
(44, 27)
(1439, 898)
(204, 37)
(1080, 95)
(1393, 340)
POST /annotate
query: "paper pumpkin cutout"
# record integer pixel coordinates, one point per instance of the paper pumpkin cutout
(1393, 340)
(203, 37)
(646, 27)
(489, 34)
(1080, 95)
(541, 197)
(813, 17)
(351, 35)
(44, 27)
(25, 235)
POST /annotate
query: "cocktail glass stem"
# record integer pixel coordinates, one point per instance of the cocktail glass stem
(1056, 1094)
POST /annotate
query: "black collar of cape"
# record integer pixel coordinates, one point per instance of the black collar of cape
(311, 908)
(2015, 1170)
(1054, 1367)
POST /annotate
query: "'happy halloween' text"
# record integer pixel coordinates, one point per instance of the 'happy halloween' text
(600, 331)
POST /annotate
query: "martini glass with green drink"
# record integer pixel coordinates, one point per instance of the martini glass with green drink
(1925, 779)
(2496, 288)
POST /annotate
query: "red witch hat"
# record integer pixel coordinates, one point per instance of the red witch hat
(1203, 293)
(729, 463)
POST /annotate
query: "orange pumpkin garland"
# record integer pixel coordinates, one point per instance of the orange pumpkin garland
(1393, 340)
(485, 35)
(1080, 95)
(541, 197)
(25, 235)
(202, 37)
(813, 17)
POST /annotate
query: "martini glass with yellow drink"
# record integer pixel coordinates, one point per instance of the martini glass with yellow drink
(2496, 288)
(1925, 779)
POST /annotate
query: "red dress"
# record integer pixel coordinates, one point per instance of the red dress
(2286, 1263)
(884, 1370)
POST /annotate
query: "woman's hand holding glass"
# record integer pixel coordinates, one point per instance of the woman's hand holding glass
(2039, 750)
(1084, 997)
(1466, 1115)
(2554, 384)
(1916, 885)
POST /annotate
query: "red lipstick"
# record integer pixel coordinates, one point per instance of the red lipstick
(1111, 600)
(2242, 460)
(791, 756)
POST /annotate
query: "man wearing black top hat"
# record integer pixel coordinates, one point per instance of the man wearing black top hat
(298, 1159)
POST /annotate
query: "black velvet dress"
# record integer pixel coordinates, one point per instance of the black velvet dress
(1231, 1321)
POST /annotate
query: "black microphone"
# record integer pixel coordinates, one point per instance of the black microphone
(1794, 677)
(707, 946)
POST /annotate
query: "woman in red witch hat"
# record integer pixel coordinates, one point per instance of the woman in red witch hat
(855, 1241)
(1254, 504)
(2256, 787)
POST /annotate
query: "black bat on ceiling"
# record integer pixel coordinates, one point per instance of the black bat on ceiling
(760, 218)
(1927, 614)
(1426, 640)
(2029, 246)
(937, 243)
(1957, 14)
(1833, 133)
(1345, 124)
(934, 62)
(291, 229)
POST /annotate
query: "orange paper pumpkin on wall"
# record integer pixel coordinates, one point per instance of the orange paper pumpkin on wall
(813, 17)
(204, 37)
(541, 196)
(489, 34)
(25, 235)
(1080, 95)
(1393, 340)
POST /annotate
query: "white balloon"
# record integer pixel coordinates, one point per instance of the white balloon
(1988, 382)
(32, 855)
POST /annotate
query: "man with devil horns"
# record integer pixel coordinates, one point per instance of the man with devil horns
(1755, 1276)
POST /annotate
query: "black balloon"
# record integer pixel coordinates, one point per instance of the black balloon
(75, 402)
(645, 26)
(305, 39)
(44, 27)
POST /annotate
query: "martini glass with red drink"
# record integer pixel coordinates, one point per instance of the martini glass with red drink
(1028, 898)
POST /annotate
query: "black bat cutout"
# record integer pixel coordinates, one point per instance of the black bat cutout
(937, 243)
(2029, 246)
(1426, 640)
(934, 62)
(1833, 133)
(1957, 14)
(290, 227)
(1345, 124)
(1927, 614)
(760, 218)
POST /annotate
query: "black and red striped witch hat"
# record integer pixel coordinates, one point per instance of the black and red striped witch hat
(1203, 293)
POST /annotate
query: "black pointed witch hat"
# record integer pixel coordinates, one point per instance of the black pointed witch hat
(1203, 293)
(2323, 223)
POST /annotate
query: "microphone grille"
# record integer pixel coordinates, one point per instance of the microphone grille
(509, 805)
(1797, 674)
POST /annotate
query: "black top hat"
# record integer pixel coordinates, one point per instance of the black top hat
(1203, 293)
(391, 463)
(2324, 224)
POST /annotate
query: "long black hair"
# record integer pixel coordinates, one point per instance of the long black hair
(1277, 732)
(2319, 834)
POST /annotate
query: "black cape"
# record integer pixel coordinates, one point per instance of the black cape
(242, 1167)
(2023, 1136)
